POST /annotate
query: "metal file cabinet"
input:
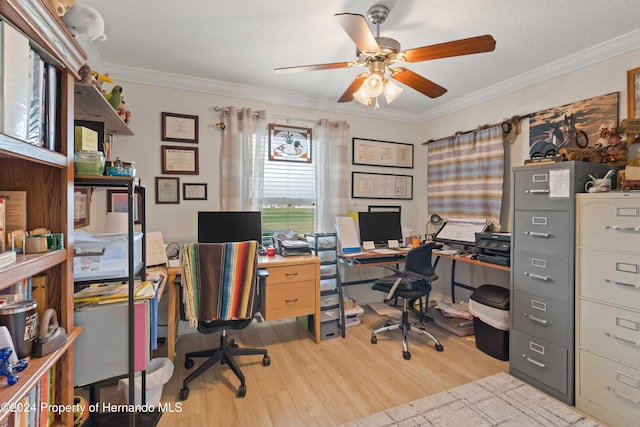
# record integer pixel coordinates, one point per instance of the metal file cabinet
(541, 348)
(608, 307)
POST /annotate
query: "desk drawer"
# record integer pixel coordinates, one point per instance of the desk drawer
(546, 232)
(541, 317)
(610, 331)
(291, 273)
(284, 300)
(539, 359)
(541, 274)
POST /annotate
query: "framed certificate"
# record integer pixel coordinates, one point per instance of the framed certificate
(179, 128)
(381, 186)
(370, 152)
(179, 160)
(167, 190)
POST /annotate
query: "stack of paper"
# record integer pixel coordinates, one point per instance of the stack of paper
(101, 293)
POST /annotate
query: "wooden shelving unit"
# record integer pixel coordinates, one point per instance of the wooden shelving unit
(91, 105)
(47, 178)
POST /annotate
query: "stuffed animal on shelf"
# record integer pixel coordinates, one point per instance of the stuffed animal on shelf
(7, 369)
(85, 22)
(122, 111)
(61, 6)
(114, 96)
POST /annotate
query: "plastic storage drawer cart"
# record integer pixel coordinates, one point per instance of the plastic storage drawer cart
(489, 306)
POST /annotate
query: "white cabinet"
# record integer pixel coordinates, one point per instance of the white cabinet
(608, 307)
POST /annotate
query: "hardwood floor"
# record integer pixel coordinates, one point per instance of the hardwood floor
(324, 384)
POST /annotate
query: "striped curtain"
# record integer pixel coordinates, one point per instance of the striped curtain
(465, 175)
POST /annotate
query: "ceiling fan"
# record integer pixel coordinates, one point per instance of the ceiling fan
(379, 53)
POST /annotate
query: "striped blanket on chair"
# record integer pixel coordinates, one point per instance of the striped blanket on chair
(218, 280)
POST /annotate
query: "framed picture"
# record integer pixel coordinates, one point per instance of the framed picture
(633, 93)
(81, 206)
(289, 143)
(167, 190)
(179, 160)
(192, 191)
(381, 186)
(370, 152)
(380, 208)
(179, 127)
(117, 201)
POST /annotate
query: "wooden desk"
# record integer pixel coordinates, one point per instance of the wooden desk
(291, 290)
(467, 260)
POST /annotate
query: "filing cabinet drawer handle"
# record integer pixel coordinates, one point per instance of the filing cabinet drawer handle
(534, 362)
(623, 396)
(618, 228)
(537, 191)
(536, 319)
(636, 343)
(290, 275)
(617, 282)
(535, 234)
(536, 276)
(291, 301)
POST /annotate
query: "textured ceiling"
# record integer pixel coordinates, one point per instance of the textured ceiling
(232, 47)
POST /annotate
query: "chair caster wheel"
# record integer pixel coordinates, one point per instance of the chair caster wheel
(188, 364)
(242, 391)
(387, 323)
(184, 393)
(406, 355)
(374, 339)
(266, 361)
(439, 347)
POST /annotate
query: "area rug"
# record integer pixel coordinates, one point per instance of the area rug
(498, 400)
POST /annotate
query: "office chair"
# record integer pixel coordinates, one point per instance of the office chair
(220, 287)
(410, 284)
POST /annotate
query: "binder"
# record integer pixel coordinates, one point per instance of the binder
(347, 235)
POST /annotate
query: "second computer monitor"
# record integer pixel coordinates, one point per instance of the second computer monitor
(379, 227)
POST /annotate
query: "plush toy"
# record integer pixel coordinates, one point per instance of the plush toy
(7, 369)
(85, 22)
(114, 96)
(61, 6)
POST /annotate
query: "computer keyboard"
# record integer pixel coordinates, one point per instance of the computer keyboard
(385, 251)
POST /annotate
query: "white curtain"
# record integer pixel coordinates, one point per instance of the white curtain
(332, 179)
(242, 155)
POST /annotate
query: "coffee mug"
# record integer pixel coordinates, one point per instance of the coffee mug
(600, 185)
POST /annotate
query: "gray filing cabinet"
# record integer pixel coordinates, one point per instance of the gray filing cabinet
(541, 348)
(324, 246)
(608, 307)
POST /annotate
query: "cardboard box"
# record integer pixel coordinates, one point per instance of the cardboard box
(104, 256)
(85, 139)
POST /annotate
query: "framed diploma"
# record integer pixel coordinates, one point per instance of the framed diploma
(381, 186)
(194, 191)
(179, 160)
(167, 190)
(179, 128)
(370, 152)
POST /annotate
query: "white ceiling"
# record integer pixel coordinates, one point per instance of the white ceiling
(232, 47)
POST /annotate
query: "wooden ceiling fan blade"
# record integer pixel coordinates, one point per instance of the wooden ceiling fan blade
(468, 46)
(357, 28)
(347, 96)
(330, 66)
(417, 82)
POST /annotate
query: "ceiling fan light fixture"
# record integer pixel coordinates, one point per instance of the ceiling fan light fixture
(362, 97)
(391, 91)
(373, 85)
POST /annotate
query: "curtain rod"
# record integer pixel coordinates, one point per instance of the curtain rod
(508, 126)
(269, 116)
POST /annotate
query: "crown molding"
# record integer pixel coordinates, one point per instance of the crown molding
(614, 47)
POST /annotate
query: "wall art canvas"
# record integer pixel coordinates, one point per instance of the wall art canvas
(575, 125)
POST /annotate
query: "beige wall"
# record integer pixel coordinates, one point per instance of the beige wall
(178, 222)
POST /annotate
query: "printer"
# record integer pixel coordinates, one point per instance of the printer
(494, 247)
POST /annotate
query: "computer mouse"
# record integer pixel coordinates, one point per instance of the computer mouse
(473, 256)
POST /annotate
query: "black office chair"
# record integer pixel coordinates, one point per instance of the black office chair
(411, 284)
(213, 265)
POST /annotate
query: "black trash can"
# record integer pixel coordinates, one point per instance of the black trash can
(489, 306)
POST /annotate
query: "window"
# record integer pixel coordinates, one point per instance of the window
(289, 197)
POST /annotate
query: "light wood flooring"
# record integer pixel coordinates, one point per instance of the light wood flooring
(324, 384)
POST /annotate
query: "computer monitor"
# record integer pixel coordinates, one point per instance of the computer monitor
(379, 227)
(229, 226)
